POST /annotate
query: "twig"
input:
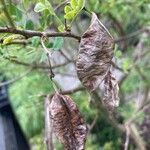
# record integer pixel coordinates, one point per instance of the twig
(73, 90)
(34, 66)
(137, 138)
(127, 137)
(116, 67)
(31, 33)
(67, 92)
(63, 92)
(66, 74)
(15, 79)
(93, 123)
(64, 55)
(129, 36)
(61, 4)
(44, 47)
(48, 53)
(48, 126)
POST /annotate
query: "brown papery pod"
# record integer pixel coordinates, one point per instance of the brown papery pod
(68, 124)
(95, 54)
(111, 99)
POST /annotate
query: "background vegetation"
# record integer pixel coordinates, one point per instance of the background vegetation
(24, 63)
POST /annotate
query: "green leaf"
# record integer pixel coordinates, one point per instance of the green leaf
(58, 43)
(26, 3)
(29, 25)
(73, 3)
(70, 15)
(81, 4)
(3, 19)
(10, 39)
(43, 58)
(118, 53)
(49, 7)
(49, 44)
(15, 12)
(39, 7)
(126, 65)
(61, 28)
(67, 9)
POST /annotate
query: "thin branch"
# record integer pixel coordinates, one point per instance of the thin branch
(66, 74)
(44, 47)
(31, 33)
(51, 74)
(127, 137)
(48, 126)
(93, 123)
(64, 55)
(15, 79)
(137, 138)
(116, 66)
(66, 92)
(132, 35)
(61, 4)
(35, 66)
(48, 53)
(73, 90)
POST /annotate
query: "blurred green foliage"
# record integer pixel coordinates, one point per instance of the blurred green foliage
(26, 94)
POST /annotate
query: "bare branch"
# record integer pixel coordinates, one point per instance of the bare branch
(15, 79)
(48, 53)
(64, 55)
(129, 36)
(116, 66)
(48, 126)
(61, 4)
(93, 123)
(31, 33)
(35, 66)
(72, 90)
(137, 138)
(127, 137)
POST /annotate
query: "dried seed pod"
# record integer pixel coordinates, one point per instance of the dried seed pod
(111, 99)
(67, 122)
(95, 54)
